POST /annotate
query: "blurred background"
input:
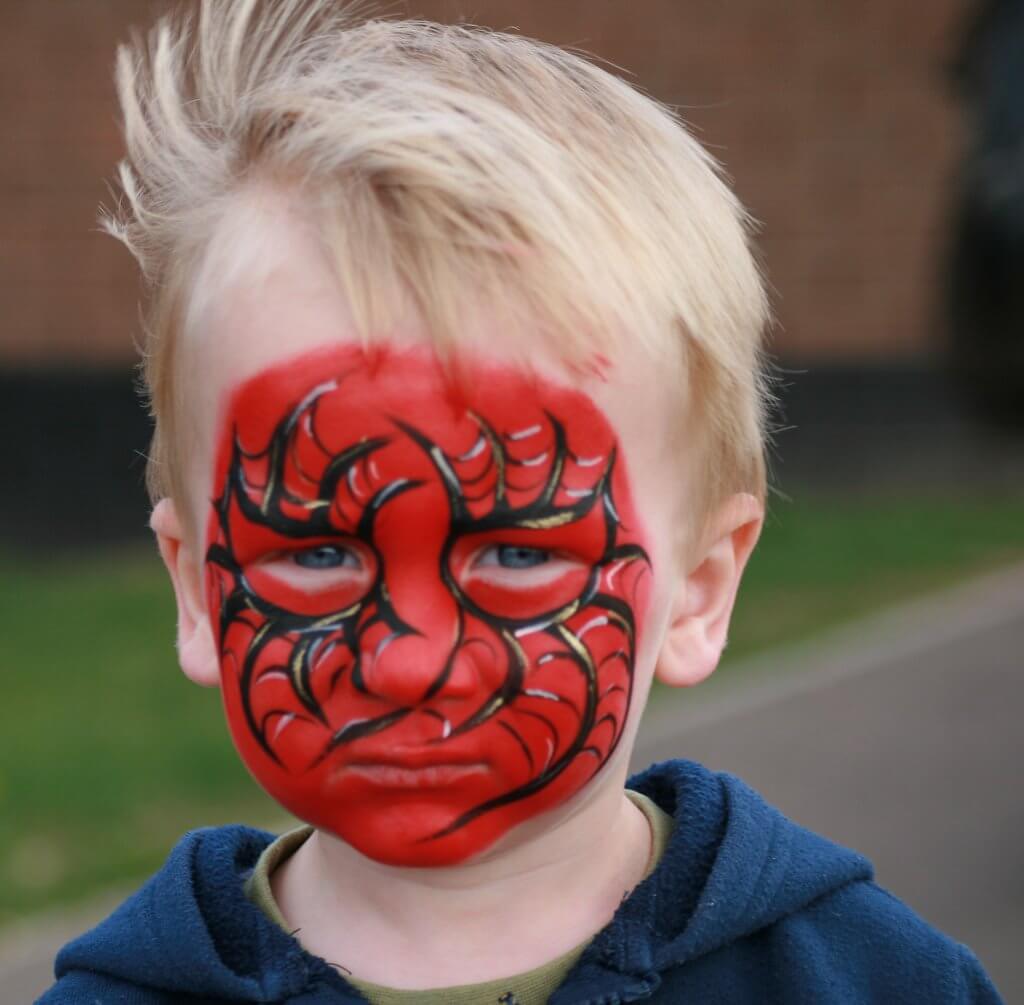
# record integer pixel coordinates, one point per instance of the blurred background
(879, 144)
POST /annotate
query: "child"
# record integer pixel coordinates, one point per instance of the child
(454, 351)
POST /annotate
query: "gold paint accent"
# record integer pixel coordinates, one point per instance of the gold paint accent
(620, 621)
(268, 489)
(258, 637)
(331, 620)
(555, 477)
(497, 452)
(295, 669)
(519, 651)
(570, 639)
(545, 522)
(566, 612)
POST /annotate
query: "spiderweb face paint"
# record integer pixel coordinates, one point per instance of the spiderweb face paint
(426, 598)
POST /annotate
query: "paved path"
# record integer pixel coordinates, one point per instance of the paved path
(899, 735)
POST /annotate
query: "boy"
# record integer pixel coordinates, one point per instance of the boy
(454, 353)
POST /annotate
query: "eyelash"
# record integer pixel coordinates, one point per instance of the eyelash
(511, 551)
(334, 550)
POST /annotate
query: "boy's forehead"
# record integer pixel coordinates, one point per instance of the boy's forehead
(407, 382)
(251, 377)
(266, 291)
(258, 330)
(250, 313)
(344, 393)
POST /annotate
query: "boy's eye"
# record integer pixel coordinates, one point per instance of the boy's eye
(512, 556)
(519, 581)
(317, 579)
(326, 556)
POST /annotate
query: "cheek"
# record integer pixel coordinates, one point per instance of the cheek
(655, 600)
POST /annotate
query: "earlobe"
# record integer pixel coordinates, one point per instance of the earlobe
(197, 651)
(704, 597)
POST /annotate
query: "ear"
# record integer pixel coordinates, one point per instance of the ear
(704, 597)
(197, 652)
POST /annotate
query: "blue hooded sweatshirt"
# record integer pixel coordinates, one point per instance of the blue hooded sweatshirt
(745, 906)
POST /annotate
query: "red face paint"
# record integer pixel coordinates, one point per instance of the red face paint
(426, 596)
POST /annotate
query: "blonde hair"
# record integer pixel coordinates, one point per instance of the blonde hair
(444, 161)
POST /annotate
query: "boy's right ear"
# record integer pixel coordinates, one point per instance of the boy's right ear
(197, 652)
(704, 598)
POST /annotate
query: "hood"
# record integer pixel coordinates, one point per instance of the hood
(733, 865)
(192, 930)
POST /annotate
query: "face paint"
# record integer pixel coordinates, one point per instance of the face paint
(426, 596)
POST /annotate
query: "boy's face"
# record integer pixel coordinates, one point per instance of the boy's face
(431, 596)
(427, 601)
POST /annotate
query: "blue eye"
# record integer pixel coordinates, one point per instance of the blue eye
(326, 556)
(511, 556)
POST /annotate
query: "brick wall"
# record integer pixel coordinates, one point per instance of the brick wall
(834, 119)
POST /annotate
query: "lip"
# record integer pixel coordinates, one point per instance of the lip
(386, 749)
(413, 764)
(395, 776)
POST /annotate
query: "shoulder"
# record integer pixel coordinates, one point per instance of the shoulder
(82, 988)
(854, 945)
(878, 949)
(185, 911)
(783, 913)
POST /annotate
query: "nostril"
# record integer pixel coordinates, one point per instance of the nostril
(405, 669)
(464, 677)
(382, 645)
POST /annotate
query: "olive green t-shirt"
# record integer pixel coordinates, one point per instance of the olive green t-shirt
(531, 988)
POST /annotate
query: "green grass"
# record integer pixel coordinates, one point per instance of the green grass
(824, 561)
(107, 753)
(106, 750)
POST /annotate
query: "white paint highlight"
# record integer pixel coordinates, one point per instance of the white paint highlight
(593, 623)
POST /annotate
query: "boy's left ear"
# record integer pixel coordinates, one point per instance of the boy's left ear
(704, 597)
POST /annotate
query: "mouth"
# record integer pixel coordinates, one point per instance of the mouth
(413, 765)
(394, 775)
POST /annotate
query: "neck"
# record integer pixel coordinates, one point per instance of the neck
(543, 890)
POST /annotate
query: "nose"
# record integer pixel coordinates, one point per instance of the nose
(422, 662)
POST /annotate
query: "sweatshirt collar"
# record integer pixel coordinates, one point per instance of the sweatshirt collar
(733, 865)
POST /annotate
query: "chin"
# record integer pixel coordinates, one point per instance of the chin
(436, 829)
(437, 853)
(413, 830)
